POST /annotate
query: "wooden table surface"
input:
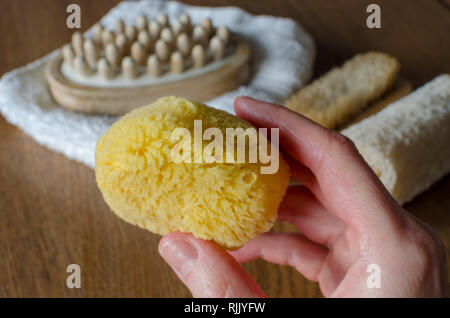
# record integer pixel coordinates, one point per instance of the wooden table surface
(52, 213)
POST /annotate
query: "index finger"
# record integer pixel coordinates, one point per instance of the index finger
(346, 185)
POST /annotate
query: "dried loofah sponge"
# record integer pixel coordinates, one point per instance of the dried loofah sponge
(407, 144)
(229, 203)
(333, 99)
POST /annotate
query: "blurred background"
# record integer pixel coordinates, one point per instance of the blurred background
(52, 213)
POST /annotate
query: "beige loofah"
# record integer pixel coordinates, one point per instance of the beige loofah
(408, 143)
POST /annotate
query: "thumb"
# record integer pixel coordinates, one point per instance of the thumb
(205, 268)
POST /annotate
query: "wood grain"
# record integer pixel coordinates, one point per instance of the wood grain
(52, 213)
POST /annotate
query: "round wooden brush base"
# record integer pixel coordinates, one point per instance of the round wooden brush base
(119, 100)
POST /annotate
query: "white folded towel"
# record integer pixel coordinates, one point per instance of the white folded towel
(283, 55)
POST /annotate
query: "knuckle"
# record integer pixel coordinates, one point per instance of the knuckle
(337, 145)
(437, 245)
(440, 244)
(432, 243)
(428, 245)
(339, 140)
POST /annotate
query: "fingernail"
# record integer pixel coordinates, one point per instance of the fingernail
(181, 255)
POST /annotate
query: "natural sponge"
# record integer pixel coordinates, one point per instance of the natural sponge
(229, 203)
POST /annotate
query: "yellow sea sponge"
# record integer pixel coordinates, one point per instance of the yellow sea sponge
(229, 203)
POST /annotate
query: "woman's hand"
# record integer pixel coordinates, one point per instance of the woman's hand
(350, 226)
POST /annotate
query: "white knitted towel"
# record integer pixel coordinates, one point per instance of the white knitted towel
(282, 57)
